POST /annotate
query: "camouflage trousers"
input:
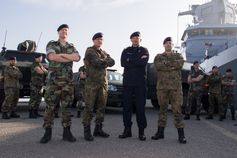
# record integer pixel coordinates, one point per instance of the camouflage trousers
(228, 102)
(175, 97)
(55, 95)
(81, 98)
(11, 99)
(194, 96)
(95, 96)
(215, 98)
(35, 97)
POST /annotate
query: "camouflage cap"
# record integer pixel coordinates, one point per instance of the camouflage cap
(135, 34)
(62, 26)
(97, 35)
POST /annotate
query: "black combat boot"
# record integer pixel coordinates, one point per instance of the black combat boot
(78, 114)
(159, 134)
(32, 114)
(141, 134)
(187, 117)
(37, 114)
(182, 139)
(126, 133)
(14, 115)
(98, 132)
(5, 116)
(198, 117)
(47, 136)
(87, 133)
(67, 135)
(209, 117)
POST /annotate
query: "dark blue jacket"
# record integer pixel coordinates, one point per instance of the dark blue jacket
(134, 65)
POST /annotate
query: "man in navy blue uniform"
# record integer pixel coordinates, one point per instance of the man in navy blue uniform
(134, 60)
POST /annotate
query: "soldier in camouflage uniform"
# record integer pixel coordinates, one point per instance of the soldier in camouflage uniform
(195, 90)
(81, 98)
(169, 89)
(96, 87)
(11, 88)
(59, 83)
(214, 83)
(38, 73)
(228, 84)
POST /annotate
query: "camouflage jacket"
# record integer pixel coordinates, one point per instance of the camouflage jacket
(11, 77)
(81, 81)
(60, 73)
(168, 69)
(195, 86)
(214, 82)
(36, 78)
(227, 89)
(97, 61)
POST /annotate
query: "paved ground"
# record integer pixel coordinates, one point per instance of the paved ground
(19, 138)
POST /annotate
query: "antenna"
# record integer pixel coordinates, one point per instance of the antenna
(177, 42)
(38, 41)
(4, 43)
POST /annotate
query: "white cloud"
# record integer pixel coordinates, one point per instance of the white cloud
(79, 3)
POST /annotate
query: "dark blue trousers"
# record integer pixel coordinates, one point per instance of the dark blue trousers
(135, 94)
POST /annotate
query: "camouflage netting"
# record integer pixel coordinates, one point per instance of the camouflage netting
(27, 45)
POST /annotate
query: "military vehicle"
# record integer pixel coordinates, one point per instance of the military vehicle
(25, 56)
(211, 40)
(115, 88)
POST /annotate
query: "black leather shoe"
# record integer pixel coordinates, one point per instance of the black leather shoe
(126, 133)
(67, 135)
(47, 136)
(182, 139)
(159, 134)
(141, 134)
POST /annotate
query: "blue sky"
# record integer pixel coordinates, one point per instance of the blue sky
(117, 19)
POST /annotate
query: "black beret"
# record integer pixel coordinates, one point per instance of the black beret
(229, 70)
(12, 58)
(167, 39)
(62, 26)
(135, 34)
(38, 55)
(214, 67)
(195, 62)
(97, 35)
